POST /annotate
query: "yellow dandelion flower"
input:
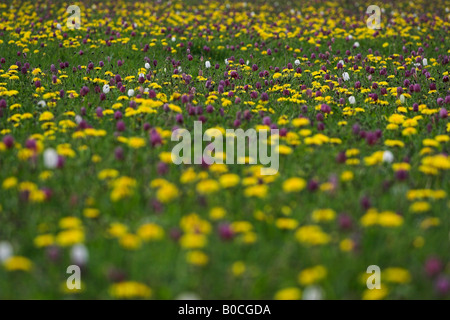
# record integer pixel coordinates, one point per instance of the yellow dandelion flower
(312, 235)
(197, 258)
(207, 186)
(259, 191)
(430, 222)
(217, 213)
(442, 138)
(419, 242)
(229, 180)
(300, 122)
(401, 166)
(166, 157)
(9, 183)
(409, 131)
(389, 219)
(69, 223)
(188, 176)
(193, 240)
(70, 237)
(420, 206)
(136, 142)
(44, 240)
(375, 294)
(46, 116)
(286, 223)
(394, 143)
(130, 241)
(96, 158)
(312, 275)
(320, 215)
(238, 268)
(396, 275)
(241, 226)
(347, 176)
(346, 245)
(288, 294)
(193, 223)
(117, 229)
(150, 231)
(167, 192)
(18, 263)
(294, 184)
(351, 153)
(45, 175)
(218, 167)
(91, 213)
(130, 290)
(282, 149)
(248, 237)
(108, 174)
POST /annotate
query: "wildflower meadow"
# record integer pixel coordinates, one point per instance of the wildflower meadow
(343, 194)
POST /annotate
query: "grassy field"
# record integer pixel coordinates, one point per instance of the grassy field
(87, 179)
